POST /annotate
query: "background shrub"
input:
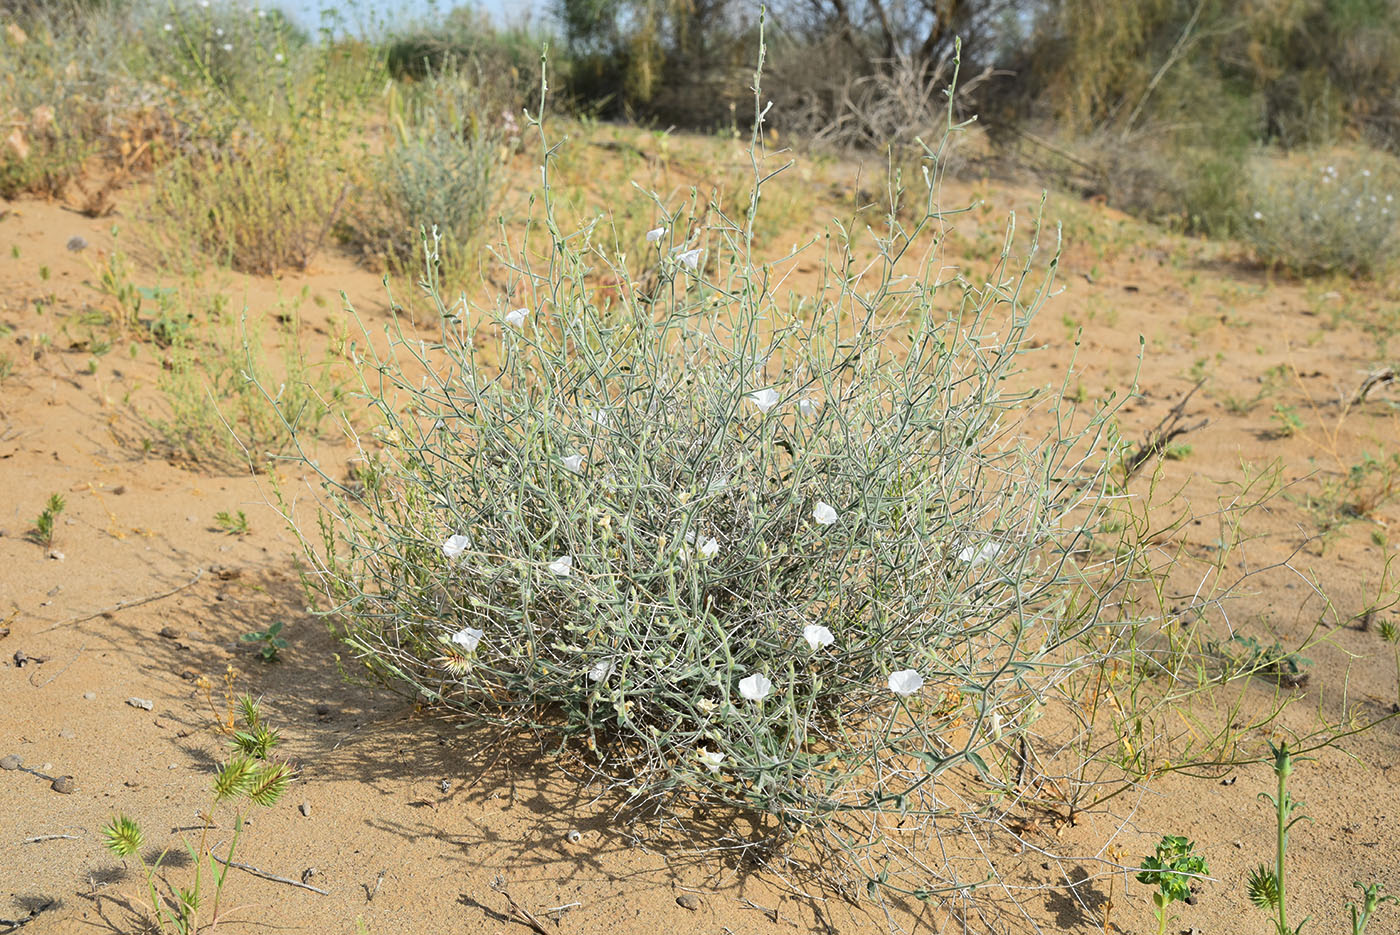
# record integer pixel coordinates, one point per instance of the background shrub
(1333, 212)
(448, 139)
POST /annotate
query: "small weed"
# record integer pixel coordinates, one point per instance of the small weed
(1171, 870)
(1390, 633)
(1372, 898)
(1177, 452)
(1275, 660)
(234, 523)
(1267, 888)
(271, 642)
(46, 520)
(44, 273)
(249, 777)
(1286, 421)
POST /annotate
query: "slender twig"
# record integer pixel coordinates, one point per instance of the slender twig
(269, 876)
(81, 650)
(124, 605)
(49, 837)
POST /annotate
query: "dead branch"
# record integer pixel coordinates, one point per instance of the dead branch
(1170, 428)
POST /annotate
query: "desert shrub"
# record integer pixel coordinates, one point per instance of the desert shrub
(1326, 213)
(807, 560)
(259, 204)
(56, 91)
(448, 138)
(509, 57)
(235, 49)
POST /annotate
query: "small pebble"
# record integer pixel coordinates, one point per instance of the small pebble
(56, 555)
(64, 785)
(305, 809)
(574, 836)
(77, 242)
(10, 762)
(170, 633)
(89, 696)
(67, 733)
(688, 901)
(145, 704)
(323, 710)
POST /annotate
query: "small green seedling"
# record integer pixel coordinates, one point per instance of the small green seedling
(1372, 898)
(235, 523)
(46, 520)
(1171, 870)
(271, 642)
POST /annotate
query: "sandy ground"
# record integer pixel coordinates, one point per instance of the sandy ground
(415, 824)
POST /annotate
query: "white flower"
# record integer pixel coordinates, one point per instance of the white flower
(455, 545)
(824, 513)
(228, 47)
(168, 27)
(262, 13)
(562, 565)
(1389, 199)
(574, 463)
(764, 399)
(980, 556)
(467, 638)
(709, 548)
(995, 728)
(711, 761)
(756, 687)
(204, 3)
(1258, 216)
(655, 234)
(600, 416)
(516, 317)
(906, 682)
(817, 636)
(278, 58)
(690, 258)
(218, 32)
(601, 670)
(807, 407)
(1366, 173)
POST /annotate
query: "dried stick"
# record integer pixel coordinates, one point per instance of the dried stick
(1157, 440)
(522, 915)
(269, 876)
(124, 605)
(1373, 379)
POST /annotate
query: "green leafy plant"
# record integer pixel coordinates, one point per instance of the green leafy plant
(47, 520)
(271, 642)
(234, 523)
(1373, 897)
(1286, 420)
(1171, 869)
(250, 777)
